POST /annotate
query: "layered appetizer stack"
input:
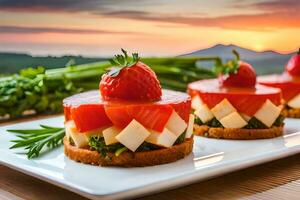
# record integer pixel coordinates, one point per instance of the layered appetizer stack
(234, 106)
(130, 121)
(289, 83)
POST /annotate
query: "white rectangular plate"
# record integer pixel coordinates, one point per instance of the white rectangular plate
(210, 158)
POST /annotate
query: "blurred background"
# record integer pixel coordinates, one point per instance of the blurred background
(50, 33)
(52, 49)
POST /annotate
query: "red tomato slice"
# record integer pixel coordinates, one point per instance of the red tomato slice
(153, 117)
(247, 104)
(245, 100)
(118, 115)
(183, 109)
(89, 117)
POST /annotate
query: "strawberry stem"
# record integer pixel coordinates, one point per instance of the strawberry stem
(298, 52)
(237, 55)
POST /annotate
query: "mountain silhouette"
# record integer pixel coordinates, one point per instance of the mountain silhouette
(264, 62)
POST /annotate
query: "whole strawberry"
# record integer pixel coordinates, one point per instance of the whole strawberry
(236, 73)
(293, 65)
(130, 79)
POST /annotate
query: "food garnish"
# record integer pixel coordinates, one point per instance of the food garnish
(128, 115)
(36, 140)
(234, 106)
(293, 65)
(130, 79)
(236, 73)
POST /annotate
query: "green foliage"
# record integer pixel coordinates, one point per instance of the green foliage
(181, 138)
(198, 121)
(32, 72)
(98, 144)
(279, 121)
(214, 123)
(35, 140)
(43, 90)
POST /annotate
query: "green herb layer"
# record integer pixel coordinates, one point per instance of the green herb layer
(98, 144)
(252, 124)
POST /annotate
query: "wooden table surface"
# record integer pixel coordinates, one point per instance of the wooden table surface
(274, 180)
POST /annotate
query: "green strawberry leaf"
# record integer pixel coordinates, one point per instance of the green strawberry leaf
(231, 67)
(121, 61)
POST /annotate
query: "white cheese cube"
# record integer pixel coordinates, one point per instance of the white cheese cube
(110, 134)
(204, 113)
(222, 109)
(294, 102)
(133, 135)
(196, 102)
(190, 128)
(233, 120)
(165, 138)
(69, 126)
(268, 113)
(80, 139)
(176, 124)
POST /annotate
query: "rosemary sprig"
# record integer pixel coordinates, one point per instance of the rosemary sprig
(34, 140)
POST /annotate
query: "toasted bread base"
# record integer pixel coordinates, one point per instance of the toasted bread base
(237, 134)
(291, 112)
(130, 159)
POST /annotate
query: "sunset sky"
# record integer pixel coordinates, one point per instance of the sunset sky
(151, 27)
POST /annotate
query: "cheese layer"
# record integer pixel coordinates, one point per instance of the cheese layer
(228, 116)
(134, 134)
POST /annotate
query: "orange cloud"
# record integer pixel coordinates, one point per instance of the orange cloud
(259, 22)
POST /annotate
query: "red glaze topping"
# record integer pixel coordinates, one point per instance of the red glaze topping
(153, 115)
(245, 100)
(290, 86)
(89, 117)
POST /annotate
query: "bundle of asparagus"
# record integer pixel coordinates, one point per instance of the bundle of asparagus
(41, 91)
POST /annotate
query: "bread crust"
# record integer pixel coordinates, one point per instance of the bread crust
(291, 112)
(130, 159)
(237, 134)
